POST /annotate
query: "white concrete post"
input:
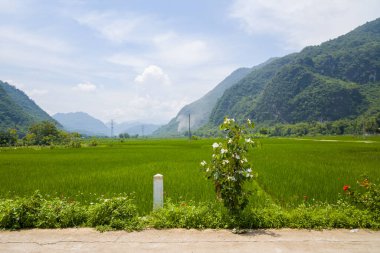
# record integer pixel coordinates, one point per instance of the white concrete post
(158, 191)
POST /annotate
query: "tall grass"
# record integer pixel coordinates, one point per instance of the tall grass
(289, 169)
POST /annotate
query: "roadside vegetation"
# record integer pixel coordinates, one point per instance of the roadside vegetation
(121, 212)
(107, 184)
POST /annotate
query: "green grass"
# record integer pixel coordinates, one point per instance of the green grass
(110, 169)
(289, 169)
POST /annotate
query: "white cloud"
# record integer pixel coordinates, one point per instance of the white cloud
(147, 108)
(31, 40)
(86, 87)
(38, 92)
(114, 28)
(174, 51)
(182, 50)
(153, 75)
(302, 23)
(127, 59)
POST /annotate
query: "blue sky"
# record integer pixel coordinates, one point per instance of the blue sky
(136, 60)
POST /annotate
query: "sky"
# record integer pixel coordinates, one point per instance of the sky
(140, 60)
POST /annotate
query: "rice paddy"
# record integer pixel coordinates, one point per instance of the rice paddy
(290, 170)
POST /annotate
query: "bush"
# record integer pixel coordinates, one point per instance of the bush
(93, 143)
(20, 212)
(188, 215)
(229, 168)
(121, 213)
(8, 138)
(58, 213)
(367, 197)
(114, 213)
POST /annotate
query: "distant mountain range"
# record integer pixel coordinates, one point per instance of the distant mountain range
(86, 124)
(17, 110)
(133, 128)
(335, 80)
(82, 123)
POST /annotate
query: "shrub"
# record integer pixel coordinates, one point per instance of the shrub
(93, 143)
(229, 168)
(20, 212)
(114, 213)
(8, 138)
(188, 215)
(366, 197)
(60, 213)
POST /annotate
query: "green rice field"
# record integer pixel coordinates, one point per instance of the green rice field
(290, 170)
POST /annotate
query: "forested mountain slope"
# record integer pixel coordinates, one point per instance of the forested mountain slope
(17, 110)
(337, 79)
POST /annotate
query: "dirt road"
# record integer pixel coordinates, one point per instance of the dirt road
(180, 240)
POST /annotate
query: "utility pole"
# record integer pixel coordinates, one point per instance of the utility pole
(189, 128)
(111, 128)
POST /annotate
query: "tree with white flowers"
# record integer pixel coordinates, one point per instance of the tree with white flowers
(229, 168)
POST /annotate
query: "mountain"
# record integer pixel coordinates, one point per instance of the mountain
(133, 128)
(335, 80)
(200, 110)
(141, 129)
(82, 123)
(17, 110)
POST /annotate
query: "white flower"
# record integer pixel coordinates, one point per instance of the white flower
(249, 121)
(230, 140)
(203, 163)
(248, 175)
(237, 156)
(224, 162)
(249, 170)
(245, 160)
(231, 178)
(228, 121)
(223, 151)
(215, 145)
(248, 140)
(208, 169)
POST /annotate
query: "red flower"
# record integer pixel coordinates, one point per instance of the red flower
(346, 187)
